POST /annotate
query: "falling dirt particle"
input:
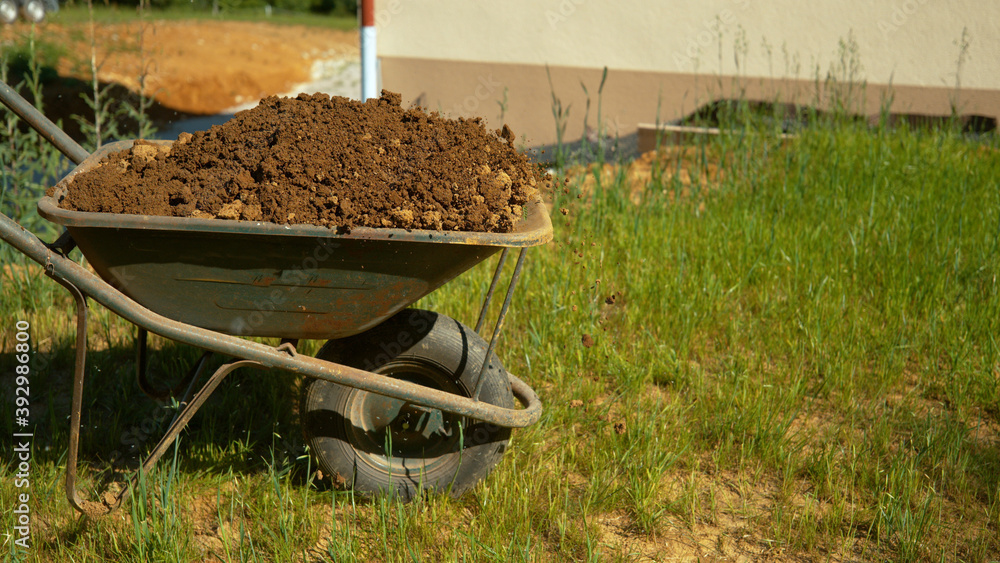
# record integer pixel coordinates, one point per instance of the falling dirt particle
(338, 480)
(506, 134)
(575, 403)
(564, 211)
(587, 340)
(620, 427)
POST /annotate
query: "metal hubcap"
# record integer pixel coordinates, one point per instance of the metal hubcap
(399, 437)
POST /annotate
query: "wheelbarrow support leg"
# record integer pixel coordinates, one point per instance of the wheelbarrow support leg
(142, 372)
(493, 288)
(178, 424)
(87, 507)
(110, 502)
(500, 318)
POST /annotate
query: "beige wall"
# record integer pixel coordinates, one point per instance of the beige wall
(673, 55)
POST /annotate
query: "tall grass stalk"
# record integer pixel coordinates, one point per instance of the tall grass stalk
(139, 112)
(561, 115)
(593, 140)
(98, 102)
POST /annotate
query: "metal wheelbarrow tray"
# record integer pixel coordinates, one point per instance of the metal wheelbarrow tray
(428, 385)
(263, 279)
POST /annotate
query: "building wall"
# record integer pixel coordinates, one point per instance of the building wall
(477, 58)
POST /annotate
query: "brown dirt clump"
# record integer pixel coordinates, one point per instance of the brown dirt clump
(324, 161)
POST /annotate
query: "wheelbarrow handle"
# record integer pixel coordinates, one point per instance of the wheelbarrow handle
(42, 124)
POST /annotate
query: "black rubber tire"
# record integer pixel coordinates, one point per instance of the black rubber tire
(33, 11)
(8, 11)
(348, 429)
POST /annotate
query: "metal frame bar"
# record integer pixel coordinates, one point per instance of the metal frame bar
(480, 380)
(142, 370)
(493, 287)
(42, 124)
(76, 409)
(112, 502)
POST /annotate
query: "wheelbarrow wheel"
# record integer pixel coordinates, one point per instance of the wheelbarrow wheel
(374, 444)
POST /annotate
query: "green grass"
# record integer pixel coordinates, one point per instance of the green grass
(802, 359)
(795, 356)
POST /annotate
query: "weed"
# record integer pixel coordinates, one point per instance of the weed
(561, 116)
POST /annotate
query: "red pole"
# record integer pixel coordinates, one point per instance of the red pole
(369, 61)
(368, 13)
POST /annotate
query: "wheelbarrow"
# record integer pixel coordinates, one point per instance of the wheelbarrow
(398, 400)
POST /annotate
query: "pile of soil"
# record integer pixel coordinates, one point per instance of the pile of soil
(324, 161)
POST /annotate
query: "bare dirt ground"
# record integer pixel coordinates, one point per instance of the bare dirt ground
(188, 67)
